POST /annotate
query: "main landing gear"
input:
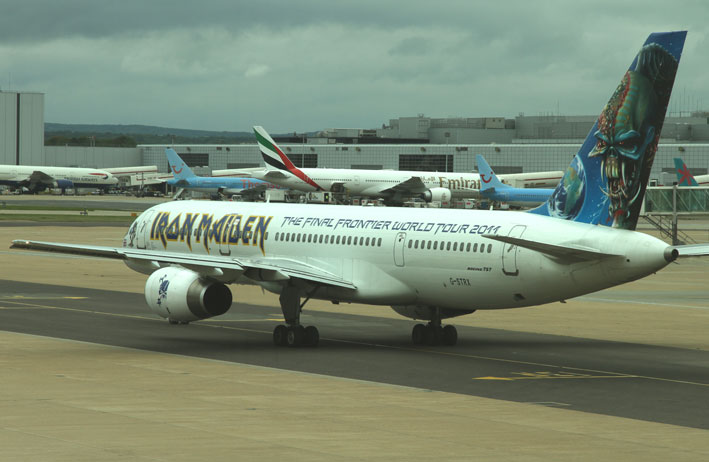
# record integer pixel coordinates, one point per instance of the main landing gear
(294, 334)
(434, 333)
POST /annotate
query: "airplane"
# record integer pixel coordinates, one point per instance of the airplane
(492, 189)
(393, 186)
(185, 179)
(427, 264)
(685, 177)
(39, 178)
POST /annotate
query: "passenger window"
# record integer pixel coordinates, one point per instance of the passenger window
(361, 240)
(379, 242)
(310, 237)
(410, 243)
(366, 242)
(455, 246)
(338, 239)
(467, 247)
(482, 248)
(462, 246)
(489, 248)
(448, 246)
(416, 244)
(428, 247)
(276, 236)
(435, 245)
(326, 239)
(475, 247)
(355, 241)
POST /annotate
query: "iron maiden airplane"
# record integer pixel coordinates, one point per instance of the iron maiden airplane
(427, 264)
(37, 179)
(393, 186)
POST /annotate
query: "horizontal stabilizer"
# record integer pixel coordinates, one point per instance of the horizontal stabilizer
(693, 250)
(561, 251)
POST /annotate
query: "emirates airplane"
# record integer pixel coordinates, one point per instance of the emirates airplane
(427, 264)
(394, 186)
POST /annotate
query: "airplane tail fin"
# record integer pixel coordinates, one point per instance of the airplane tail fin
(488, 179)
(178, 167)
(684, 176)
(275, 157)
(606, 181)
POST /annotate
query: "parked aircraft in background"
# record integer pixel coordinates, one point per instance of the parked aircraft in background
(685, 177)
(391, 185)
(39, 178)
(492, 189)
(185, 179)
(427, 264)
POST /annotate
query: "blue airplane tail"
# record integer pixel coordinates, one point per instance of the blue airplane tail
(606, 181)
(178, 167)
(488, 179)
(684, 176)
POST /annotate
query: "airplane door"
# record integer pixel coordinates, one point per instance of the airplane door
(143, 229)
(399, 249)
(509, 252)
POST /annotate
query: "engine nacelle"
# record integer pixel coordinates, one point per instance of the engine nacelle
(437, 194)
(64, 184)
(179, 294)
(425, 313)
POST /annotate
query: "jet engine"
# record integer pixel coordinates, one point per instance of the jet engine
(63, 184)
(181, 295)
(437, 194)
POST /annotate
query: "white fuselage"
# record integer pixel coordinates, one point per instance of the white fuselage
(371, 183)
(394, 256)
(78, 177)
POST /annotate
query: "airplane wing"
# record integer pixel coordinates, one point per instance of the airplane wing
(37, 177)
(413, 185)
(572, 252)
(265, 269)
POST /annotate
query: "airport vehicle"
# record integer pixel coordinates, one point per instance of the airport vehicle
(685, 177)
(393, 186)
(185, 179)
(427, 264)
(492, 189)
(39, 178)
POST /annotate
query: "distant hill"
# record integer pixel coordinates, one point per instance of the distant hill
(130, 135)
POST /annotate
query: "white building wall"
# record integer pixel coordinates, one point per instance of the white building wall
(8, 128)
(91, 157)
(31, 128)
(527, 157)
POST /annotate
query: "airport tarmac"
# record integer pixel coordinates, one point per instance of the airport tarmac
(90, 373)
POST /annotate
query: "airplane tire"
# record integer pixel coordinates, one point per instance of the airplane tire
(296, 335)
(280, 335)
(312, 336)
(450, 335)
(418, 334)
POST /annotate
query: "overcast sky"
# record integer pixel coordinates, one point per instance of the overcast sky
(310, 65)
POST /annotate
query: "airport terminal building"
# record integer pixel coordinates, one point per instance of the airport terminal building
(522, 144)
